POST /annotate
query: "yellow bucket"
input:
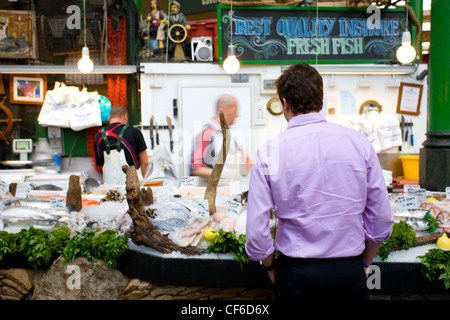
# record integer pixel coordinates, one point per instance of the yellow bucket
(410, 167)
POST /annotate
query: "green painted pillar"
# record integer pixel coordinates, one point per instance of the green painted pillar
(434, 170)
(417, 6)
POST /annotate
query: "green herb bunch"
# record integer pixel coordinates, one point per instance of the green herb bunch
(96, 244)
(109, 246)
(436, 266)
(41, 247)
(38, 246)
(228, 242)
(402, 235)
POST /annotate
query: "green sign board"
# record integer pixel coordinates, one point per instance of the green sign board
(287, 35)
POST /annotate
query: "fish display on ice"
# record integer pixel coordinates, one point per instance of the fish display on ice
(17, 214)
(106, 215)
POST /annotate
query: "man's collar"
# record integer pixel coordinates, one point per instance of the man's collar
(304, 119)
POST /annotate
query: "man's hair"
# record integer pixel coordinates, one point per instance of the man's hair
(117, 111)
(302, 87)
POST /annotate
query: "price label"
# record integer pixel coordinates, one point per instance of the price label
(408, 202)
(233, 209)
(421, 194)
(57, 203)
(408, 187)
(23, 189)
(447, 192)
(4, 187)
(203, 208)
(187, 181)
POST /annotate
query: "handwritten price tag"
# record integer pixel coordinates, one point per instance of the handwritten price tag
(187, 181)
(203, 208)
(4, 187)
(22, 190)
(408, 187)
(233, 208)
(421, 194)
(57, 203)
(408, 202)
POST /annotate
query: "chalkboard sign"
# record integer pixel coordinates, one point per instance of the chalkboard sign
(287, 35)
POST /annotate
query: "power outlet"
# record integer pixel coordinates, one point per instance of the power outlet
(393, 83)
(365, 83)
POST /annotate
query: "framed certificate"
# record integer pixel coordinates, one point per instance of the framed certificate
(409, 98)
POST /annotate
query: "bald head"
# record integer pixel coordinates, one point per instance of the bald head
(229, 107)
(119, 114)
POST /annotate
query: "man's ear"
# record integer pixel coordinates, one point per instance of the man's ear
(286, 106)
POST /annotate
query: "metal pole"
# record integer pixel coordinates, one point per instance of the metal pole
(434, 170)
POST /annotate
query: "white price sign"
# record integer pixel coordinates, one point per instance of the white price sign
(421, 194)
(187, 181)
(57, 203)
(4, 187)
(408, 202)
(203, 208)
(408, 187)
(233, 209)
(447, 192)
(22, 190)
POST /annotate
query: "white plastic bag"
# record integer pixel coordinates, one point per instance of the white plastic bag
(55, 112)
(161, 166)
(388, 131)
(85, 112)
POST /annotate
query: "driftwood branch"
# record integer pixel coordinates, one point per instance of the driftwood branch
(422, 240)
(211, 188)
(143, 232)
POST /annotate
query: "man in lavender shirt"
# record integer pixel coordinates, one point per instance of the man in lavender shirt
(327, 188)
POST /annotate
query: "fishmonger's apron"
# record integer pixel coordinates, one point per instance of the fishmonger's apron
(114, 160)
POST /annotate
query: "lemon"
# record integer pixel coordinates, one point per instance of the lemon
(431, 199)
(443, 242)
(210, 234)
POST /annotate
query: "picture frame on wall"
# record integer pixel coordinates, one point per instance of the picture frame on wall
(409, 98)
(27, 89)
(18, 31)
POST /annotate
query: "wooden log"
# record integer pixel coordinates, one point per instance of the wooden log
(422, 240)
(143, 232)
(73, 197)
(211, 188)
(13, 188)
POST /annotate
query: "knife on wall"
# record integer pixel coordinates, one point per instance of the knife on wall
(169, 124)
(151, 131)
(157, 134)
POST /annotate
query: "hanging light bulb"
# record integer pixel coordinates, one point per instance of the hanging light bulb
(85, 64)
(406, 52)
(231, 64)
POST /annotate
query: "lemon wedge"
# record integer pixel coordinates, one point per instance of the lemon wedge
(443, 242)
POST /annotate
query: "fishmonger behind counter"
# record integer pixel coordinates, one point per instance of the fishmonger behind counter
(117, 144)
